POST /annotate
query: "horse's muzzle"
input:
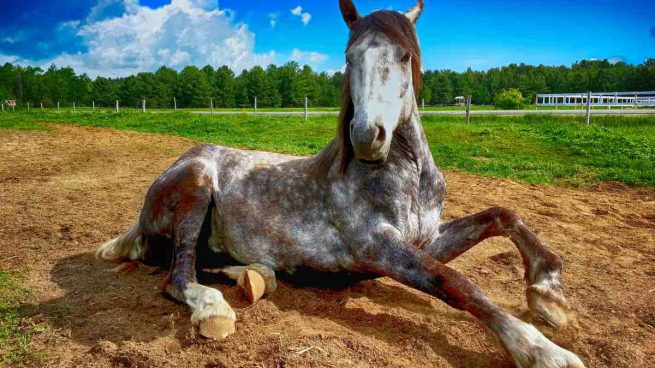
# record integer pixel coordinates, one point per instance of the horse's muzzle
(369, 141)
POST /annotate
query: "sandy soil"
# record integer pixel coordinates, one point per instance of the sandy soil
(62, 192)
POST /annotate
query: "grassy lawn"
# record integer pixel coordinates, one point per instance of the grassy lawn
(538, 149)
(548, 149)
(15, 336)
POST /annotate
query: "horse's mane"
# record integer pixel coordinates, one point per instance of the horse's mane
(399, 30)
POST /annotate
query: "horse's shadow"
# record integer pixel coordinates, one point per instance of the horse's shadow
(101, 305)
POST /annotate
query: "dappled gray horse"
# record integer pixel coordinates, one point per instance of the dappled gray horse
(368, 204)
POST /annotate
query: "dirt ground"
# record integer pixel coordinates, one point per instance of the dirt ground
(64, 191)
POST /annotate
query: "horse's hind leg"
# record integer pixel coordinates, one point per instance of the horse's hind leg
(211, 312)
(543, 268)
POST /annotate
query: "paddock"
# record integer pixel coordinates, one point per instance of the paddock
(66, 190)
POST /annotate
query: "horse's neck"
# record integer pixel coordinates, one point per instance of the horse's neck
(413, 133)
(431, 184)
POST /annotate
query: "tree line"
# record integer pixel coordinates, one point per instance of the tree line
(289, 84)
(598, 76)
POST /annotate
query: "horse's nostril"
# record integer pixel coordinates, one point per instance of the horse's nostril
(380, 137)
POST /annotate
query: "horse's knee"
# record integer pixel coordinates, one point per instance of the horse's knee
(504, 218)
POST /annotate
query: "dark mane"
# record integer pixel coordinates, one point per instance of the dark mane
(399, 30)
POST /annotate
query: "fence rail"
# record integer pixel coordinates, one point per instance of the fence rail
(646, 101)
(117, 107)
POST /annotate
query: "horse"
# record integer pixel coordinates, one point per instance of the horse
(368, 205)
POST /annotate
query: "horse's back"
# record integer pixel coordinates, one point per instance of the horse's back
(199, 177)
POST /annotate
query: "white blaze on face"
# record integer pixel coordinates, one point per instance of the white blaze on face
(382, 93)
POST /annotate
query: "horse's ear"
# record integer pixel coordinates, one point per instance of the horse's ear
(414, 13)
(349, 12)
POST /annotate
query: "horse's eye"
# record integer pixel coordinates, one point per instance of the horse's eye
(406, 57)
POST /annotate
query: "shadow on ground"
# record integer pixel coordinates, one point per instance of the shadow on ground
(100, 305)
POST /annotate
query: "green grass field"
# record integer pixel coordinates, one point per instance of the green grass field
(15, 336)
(539, 149)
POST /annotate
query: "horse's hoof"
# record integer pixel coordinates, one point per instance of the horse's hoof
(211, 313)
(549, 306)
(267, 274)
(254, 285)
(255, 279)
(216, 328)
(530, 349)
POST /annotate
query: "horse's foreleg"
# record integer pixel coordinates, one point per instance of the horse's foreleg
(543, 268)
(415, 268)
(211, 312)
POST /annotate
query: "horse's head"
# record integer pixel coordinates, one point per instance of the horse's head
(383, 71)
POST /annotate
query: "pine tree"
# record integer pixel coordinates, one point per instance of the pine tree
(256, 83)
(192, 88)
(224, 86)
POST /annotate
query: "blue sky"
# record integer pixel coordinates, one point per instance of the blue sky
(120, 37)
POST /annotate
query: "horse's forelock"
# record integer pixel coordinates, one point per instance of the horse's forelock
(397, 27)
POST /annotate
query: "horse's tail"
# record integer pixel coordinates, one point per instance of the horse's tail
(130, 245)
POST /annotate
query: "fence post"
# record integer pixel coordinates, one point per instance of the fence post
(468, 109)
(93, 105)
(211, 106)
(143, 105)
(58, 106)
(636, 105)
(3, 106)
(117, 108)
(423, 103)
(73, 106)
(306, 108)
(28, 106)
(255, 105)
(174, 103)
(41, 105)
(588, 115)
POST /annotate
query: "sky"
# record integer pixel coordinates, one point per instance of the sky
(121, 37)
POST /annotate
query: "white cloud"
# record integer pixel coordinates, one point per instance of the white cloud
(305, 17)
(9, 59)
(312, 58)
(183, 32)
(111, 8)
(70, 24)
(272, 19)
(297, 10)
(331, 72)
(123, 38)
(616, 59)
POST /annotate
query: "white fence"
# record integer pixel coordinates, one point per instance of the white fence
(608, 99)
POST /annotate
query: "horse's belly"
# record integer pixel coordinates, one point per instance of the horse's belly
(285, 245)
(286, 249)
